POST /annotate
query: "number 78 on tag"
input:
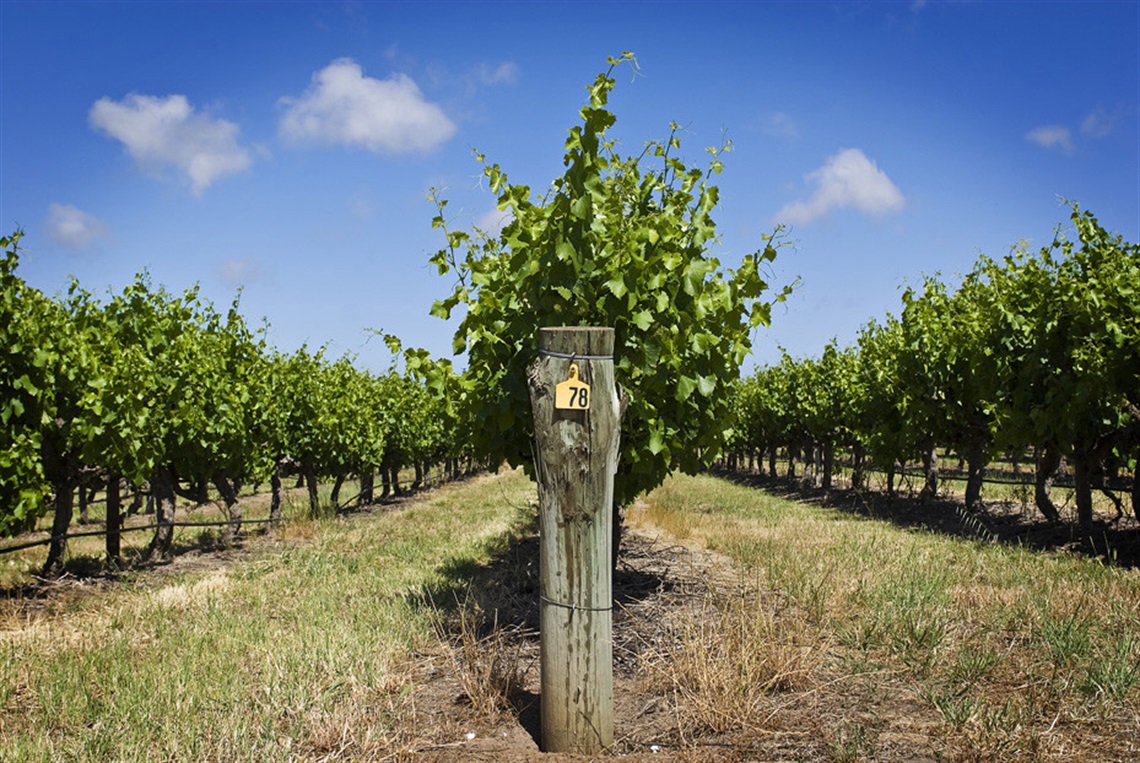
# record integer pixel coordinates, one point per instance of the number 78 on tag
(572, 394)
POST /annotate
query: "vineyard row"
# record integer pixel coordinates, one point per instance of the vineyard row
(148, 388)
(1038, 352)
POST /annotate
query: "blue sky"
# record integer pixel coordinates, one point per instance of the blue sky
(288, 148)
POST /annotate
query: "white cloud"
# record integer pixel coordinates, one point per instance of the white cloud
(1098, 124)
(342, 106)
(72, 227)
(362, 208)
(505, 73)
(241, 272)
(848, 179)
(781, 125)
(1051, 136)
(168, 132)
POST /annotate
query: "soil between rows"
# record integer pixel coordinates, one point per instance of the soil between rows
(660, 584)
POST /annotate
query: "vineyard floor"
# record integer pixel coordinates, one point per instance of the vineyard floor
(727, 649)
(1008, 517)
(747, 628)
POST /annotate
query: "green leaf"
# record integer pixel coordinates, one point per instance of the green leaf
(656, 441)
(617, 286)
(685, 387)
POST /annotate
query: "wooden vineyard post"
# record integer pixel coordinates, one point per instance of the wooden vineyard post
(577, 424)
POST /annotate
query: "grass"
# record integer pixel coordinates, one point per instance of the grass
(854, 638)
(488, 657)
(724, 658)
(298, 653)
(86, 555)
(1018, 655)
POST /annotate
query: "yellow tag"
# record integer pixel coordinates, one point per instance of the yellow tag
(572, 394)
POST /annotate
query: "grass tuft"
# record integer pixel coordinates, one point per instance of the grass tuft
(723, 658)
(490, 659)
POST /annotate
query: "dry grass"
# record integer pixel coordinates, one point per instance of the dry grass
(490, 659)
(302, 650)
(776, 631)
(726, 655)
(993, 652)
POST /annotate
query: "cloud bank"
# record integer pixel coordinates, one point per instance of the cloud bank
(73, 228)
(343, 107)
(847, 179)
(167, 132)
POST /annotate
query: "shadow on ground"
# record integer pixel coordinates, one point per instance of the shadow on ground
(188, 551)
(478, 603)
(1116, 542)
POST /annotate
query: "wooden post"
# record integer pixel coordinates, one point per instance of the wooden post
(576, 453)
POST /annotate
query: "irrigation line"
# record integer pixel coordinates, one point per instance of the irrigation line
(95, 533)
(425, 484)
(97, 501)
(955, 476)
(963, 478)
(1059, 481)
(137, 528)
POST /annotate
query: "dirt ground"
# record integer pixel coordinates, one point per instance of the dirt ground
(654, 575)
(660, 583)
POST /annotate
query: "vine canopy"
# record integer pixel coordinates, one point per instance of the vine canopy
(621, 241)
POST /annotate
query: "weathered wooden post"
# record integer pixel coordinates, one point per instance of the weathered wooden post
(577, 424)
